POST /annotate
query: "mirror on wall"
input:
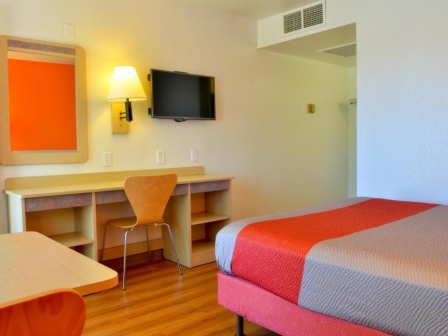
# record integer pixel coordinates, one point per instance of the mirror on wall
(42, 102)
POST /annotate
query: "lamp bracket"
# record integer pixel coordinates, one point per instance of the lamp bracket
(121, 113)
(119, 124)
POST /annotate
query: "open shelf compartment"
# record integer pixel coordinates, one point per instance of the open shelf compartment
(203, 246)
(71, 227)
(71, 239)
(206, 217)
(210, 212)
(203, 252)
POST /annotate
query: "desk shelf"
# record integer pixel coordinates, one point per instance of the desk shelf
(202, 246)
(72, 239)
(210, 212)
(71, 227)
(195, 219)
(203, 252)
(206, 217)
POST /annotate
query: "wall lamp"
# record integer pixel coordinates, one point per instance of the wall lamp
(125, 87)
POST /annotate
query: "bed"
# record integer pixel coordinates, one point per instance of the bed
(360, 266)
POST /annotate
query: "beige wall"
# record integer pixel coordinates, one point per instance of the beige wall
(282, 157)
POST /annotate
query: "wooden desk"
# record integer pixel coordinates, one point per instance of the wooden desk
(31, 263)
(73, 209)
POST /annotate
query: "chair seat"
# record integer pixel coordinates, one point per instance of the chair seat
(123, 223)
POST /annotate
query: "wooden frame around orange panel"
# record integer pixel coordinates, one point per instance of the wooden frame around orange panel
(9, 43)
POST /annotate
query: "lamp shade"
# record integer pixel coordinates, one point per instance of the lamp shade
(125, 85)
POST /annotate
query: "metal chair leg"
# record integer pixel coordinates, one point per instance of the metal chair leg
(124, 258)
(174, 247)
(104, 242)
(147, 242)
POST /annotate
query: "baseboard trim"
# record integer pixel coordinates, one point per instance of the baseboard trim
(136, 248)
(133, 260)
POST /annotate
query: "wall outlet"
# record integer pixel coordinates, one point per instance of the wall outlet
(69, 31)
(194, 155)
(107, 159)
(160, 156)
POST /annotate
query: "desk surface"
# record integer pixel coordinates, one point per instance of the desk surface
(100, 186)
(31, 263)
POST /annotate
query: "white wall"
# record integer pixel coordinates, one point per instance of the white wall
(282, 157)
(403, 99)
(352, 129)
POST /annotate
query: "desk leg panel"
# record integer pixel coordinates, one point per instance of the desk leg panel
(16, 214)
(177, 216)
(85, 224)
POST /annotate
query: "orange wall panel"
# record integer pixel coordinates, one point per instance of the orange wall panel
(42, 106)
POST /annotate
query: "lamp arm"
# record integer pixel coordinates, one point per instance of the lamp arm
(128, 110)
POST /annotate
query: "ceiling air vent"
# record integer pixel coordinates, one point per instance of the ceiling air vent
(304, 18)
(292, 22)
(313, 16)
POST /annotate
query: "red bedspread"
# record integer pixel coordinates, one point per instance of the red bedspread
(272, 254)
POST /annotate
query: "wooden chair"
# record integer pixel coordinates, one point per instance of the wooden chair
(58, 312)
(148, 196)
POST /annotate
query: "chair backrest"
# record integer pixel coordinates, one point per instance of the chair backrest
(149, 196)
(58, 312)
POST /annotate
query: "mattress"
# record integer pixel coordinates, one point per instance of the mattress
(374, 262)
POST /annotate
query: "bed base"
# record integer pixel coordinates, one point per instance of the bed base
(274, 313)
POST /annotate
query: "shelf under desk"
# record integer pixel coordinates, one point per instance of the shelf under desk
(206, 217)
(71, 239)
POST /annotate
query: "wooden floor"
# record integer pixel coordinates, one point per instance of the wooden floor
(158, 302)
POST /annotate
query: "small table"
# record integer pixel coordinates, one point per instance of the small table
(31, 263)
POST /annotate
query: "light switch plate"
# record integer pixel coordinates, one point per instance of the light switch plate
(69, 31)
(194, 155)
(161, 156)
(107, 159)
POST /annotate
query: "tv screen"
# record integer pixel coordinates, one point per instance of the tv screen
(182, 96)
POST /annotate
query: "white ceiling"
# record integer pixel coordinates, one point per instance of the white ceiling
(252, 9)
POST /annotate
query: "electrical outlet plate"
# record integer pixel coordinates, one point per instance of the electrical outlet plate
(194, 155)
(160, 156)
(107, 159)
(69, 31)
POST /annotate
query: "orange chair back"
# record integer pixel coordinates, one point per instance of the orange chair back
(59, 312)
(149, 196)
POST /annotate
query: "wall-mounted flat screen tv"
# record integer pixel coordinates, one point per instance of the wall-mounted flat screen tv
(181, 96)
